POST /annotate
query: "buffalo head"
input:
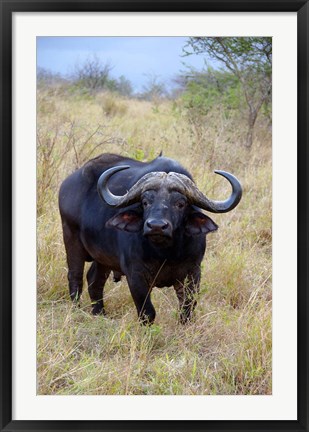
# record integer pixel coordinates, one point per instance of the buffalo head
(161, 203)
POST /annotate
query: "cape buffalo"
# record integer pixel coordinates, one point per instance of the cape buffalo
(141, 220)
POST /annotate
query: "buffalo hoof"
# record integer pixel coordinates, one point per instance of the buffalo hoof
(75, 297)
(185, 318)
(147, 320)
(97, 308)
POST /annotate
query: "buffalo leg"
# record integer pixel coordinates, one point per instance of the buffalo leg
(141, 296)
(76, 257)
(96, 278)
(186, 293)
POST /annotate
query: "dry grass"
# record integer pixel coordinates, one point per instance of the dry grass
(227, 348)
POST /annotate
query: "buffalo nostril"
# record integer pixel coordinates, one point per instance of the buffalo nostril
(157, 225)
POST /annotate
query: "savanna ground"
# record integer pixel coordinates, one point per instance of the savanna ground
(226, 349)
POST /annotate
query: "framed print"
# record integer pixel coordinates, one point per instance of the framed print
(115, 117)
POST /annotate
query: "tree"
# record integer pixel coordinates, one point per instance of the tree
(93, 74)
(206, 89)
(249, 59)
(154, 89)
(48, 78)
(124, 86)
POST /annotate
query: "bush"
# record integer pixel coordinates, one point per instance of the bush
(210, 89)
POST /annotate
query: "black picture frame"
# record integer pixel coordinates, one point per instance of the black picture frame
(7, 8)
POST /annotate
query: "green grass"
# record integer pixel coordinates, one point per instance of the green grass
(226, 349)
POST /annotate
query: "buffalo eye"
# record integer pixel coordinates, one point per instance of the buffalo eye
(145, 203)
(180, 204)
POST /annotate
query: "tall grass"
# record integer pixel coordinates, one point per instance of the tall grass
(226, 349)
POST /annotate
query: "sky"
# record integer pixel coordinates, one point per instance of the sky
(136, 58)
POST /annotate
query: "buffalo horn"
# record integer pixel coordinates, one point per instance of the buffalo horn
(173, 181)
(151, 180)
(196, 197)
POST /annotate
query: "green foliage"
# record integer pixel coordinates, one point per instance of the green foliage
(124, 86)
(208, 89)
(249, 59)
(139, 154)
(236, 53)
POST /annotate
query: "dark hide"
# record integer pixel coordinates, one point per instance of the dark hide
(159, 241)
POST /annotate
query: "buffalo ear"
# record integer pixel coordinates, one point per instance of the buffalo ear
(198, 223)
(127, 220)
